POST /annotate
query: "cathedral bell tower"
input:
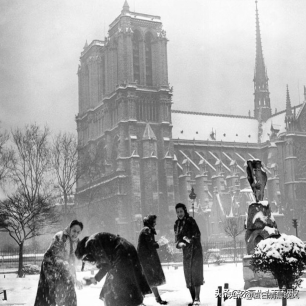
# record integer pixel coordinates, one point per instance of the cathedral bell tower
(125, 109)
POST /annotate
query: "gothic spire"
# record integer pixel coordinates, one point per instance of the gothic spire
(288, 103)
(126, 7)
(86, 45)
(261, 87)
(260, 69)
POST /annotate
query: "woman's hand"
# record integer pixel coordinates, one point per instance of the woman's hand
(181, 245)
(187, 239)
(90, 280)
(79, 284)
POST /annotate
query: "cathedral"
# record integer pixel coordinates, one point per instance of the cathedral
(139, 155)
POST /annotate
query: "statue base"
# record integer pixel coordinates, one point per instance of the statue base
(256, 279)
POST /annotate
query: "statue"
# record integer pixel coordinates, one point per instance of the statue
(260, 223)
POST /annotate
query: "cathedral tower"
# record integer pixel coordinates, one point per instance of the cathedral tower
(125, 119)
(262, 107)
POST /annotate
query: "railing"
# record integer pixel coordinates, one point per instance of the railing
(10, 259)
(213, 252)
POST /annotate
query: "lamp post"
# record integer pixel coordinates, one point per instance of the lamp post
(192, 197)
(295, 225)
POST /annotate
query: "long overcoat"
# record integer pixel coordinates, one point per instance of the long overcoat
(58, 276)
(192, 252)
(148, 256)
(125, 283)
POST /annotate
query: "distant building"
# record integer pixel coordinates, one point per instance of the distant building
(143, 157)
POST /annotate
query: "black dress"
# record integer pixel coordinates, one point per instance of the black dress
(125, 283)
(149, 258)
(192, 253)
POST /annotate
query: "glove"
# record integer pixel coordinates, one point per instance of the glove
(187, 239)
(89, 280)
(181, 245)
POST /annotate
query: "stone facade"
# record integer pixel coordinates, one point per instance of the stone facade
(138, 160)
(124, 121)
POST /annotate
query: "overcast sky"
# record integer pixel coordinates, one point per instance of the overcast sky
(211, 53)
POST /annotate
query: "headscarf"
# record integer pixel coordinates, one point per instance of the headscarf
(148, 221)
(179, 224)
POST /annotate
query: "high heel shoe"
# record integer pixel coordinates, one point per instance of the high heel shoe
(160, 301)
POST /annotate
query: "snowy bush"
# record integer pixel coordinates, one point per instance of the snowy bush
(284, 257)
(30, 269)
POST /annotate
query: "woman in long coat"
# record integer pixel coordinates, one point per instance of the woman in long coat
(188, 238)
(125, 283)
(149, 258)
(58, 275)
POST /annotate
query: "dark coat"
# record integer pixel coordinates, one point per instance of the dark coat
(125, 283)
(57, 275)
(149, 258)
(192, 253)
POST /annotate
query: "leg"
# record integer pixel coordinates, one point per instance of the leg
(157, 296)
(192, 293)
(155, 292)
(197, 293)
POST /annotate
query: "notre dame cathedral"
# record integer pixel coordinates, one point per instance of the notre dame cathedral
(140, 156)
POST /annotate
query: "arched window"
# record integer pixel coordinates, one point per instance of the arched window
(86, 87)
(148, 49)
(136, 58)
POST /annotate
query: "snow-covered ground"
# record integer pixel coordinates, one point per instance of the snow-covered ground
(22, 291)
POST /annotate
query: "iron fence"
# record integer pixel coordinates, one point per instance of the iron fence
(213, 252)
(10, 259)
(217, 252)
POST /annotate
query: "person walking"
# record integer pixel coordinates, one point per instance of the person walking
(188, 238)
(56, 286)
(148, 256)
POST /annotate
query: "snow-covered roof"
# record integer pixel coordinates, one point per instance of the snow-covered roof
(278, 122)
(228, 128)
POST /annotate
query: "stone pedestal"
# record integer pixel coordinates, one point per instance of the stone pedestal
(258, 279)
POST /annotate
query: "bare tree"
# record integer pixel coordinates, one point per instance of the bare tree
(30, 173)
(24, 220)
(65, 165)
(6, 158)
(233, 226)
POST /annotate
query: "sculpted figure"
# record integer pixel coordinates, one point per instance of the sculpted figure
(260, 223)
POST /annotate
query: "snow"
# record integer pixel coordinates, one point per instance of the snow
(220, 204)
(260, 216)
(264, 203)
(22, 291)
(278, 247)
(271, 230)
(199, 126)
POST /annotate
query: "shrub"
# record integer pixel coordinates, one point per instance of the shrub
(284, 257)
(30, 269)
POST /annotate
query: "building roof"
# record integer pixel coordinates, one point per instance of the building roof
(206, 126)
(278, 122)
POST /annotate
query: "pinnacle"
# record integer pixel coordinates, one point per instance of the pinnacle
(126, 6)
(148, 133)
